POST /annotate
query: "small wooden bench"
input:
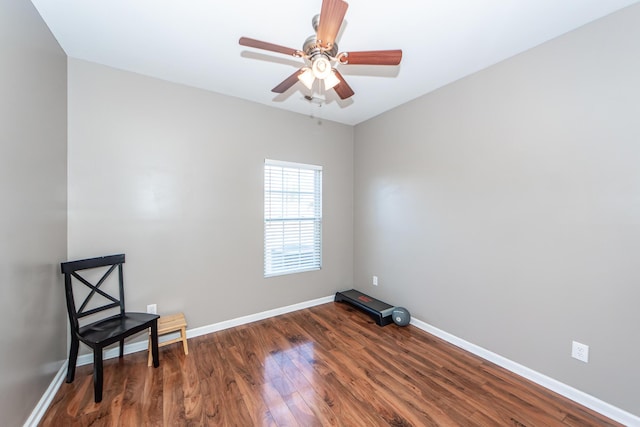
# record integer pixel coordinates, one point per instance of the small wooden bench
(168, 324)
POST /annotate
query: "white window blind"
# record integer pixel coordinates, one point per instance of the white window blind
(292, 217)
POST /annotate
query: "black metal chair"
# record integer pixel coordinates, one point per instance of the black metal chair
(101, 333)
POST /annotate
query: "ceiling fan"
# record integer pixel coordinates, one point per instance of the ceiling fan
(320, 53)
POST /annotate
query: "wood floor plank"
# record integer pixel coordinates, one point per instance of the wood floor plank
(322, 413)
(205, 365)
(328, 365)
(257, 409)
(192, 391)
(173, 394)
(151, 406)
(227, 395)
(130, 408)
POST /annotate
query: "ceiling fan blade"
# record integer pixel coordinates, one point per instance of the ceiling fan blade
(343, 90)
(372, 57)
(331, 16)
(288, 82)
(246, 41)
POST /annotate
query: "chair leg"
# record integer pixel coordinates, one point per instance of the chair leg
(97, 374)
(73, 357)
(154, 343)
(121, 348)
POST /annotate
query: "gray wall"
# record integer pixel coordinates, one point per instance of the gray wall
(505, 207)
(173, 177)
(33, 224)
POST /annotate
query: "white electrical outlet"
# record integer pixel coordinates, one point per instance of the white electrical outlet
(375, 280)
(580, 351)
(152, 309)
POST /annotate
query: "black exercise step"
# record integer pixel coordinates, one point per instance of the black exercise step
(380, 311)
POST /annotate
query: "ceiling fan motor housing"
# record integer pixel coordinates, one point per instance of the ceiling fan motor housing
(311, 48)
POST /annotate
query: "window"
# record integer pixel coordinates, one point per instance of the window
(292, 217)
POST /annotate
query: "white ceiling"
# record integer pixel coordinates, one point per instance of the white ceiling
(195, 42)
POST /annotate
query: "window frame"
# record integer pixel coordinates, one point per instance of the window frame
(284, 252)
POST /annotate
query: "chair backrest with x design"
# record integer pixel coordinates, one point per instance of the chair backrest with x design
(113, 300)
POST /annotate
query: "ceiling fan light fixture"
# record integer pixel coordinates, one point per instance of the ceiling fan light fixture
(331, 81)
(321, 67)
(307, 78)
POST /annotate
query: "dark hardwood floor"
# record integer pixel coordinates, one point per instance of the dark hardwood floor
(329, 365)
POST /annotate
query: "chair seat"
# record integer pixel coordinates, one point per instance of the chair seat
(111, 329)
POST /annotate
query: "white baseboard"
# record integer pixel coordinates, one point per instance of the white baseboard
(565, 390)
(569, 392)
(196, 332)
(47, 397)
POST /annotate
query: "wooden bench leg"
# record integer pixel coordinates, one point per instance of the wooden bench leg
(183, 332)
